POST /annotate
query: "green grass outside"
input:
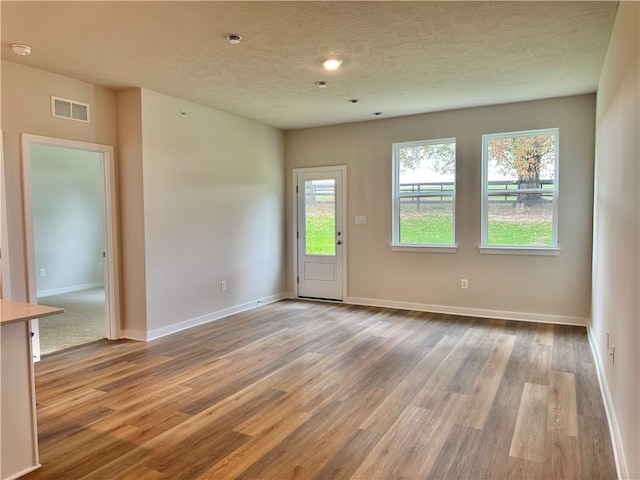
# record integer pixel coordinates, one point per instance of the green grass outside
(434, 228)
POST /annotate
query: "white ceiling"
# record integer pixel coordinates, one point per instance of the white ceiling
(400, 58)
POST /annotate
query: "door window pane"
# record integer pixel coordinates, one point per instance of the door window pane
(320, 216)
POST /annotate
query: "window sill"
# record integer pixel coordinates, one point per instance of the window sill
(424, 248)
(548, 252)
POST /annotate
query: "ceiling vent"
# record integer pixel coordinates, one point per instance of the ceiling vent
(65, 108)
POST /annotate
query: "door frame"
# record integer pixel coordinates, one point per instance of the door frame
(294, 235)
(111, 262)
(5, 285)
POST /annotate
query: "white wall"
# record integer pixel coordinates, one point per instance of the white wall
(213, 210)
(616, 255)
(541, 288)
(67, 218)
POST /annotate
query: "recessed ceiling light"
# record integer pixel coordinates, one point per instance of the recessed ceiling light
(23, 50)
(321, 84)
(234, 38)
(332, 64)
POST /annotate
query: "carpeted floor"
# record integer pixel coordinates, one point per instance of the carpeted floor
(83, 321)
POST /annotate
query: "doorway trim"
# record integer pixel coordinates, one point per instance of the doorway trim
(112, 259)
(294, 233)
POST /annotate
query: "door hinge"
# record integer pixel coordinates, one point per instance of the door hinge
(297, 234)
(297, 279)
(296, 189)
(104, 254)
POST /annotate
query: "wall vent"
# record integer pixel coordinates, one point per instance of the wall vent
(65, 108)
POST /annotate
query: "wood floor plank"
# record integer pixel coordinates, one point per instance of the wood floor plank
(487, 383)
(411, 445)
(588, 394)
(528, 441)
(436, 386)
(400, 397)
(308, 449)
(301, 389)
(539, 361)
(563, 457)
(255, 448)
(596, 453)
(345, 461)
(562, 414)
(458, 455)
(491, 457)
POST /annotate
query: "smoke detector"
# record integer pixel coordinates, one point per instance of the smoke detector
(234, 39)
(22, 50)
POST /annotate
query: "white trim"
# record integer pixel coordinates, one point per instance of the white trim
(74, 288)
(471, 312)
(194, 322)
(549, 252)
(616, 440)
(424, 248)
(112, 282)
(294, 239)
(24, 472)
(5, 274)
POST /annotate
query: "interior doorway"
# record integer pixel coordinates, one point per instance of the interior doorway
(69, 203)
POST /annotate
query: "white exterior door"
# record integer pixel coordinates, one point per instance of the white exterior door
(320, 233)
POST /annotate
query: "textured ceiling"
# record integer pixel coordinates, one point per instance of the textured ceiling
(400, 58)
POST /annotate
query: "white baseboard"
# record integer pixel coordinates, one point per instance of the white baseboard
(470, 312)
(178, 327)
(74, 288)
(614, 431)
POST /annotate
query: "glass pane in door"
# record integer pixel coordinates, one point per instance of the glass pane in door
(320, 216)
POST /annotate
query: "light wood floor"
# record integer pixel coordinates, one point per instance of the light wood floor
(298, 390)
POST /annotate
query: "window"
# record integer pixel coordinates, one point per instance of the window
(520, 189)
(424, 191)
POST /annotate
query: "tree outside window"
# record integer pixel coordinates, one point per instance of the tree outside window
(424, 193)
(520, 189)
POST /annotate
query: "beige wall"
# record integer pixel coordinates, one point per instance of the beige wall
(131, 200)
(538, 287)
(213, 210)
(26, 108)
(616, 257)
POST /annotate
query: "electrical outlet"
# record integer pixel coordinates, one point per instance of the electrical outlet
(43, 272)
(464, 283)
(223, 285)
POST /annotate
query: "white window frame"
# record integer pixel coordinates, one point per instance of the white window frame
(396, 245)
(552, 249)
